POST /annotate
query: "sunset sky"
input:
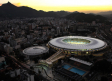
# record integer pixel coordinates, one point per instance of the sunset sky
(66, 5)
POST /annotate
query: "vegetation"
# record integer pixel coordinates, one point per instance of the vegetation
(9, 11)
(102, 66)
(82, 17)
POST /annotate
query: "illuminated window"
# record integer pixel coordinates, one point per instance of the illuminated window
(65, 51)
(72, 52)
(68, 52)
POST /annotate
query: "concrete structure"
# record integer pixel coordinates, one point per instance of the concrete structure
(35, 51)
(78, 45)
(74, 45)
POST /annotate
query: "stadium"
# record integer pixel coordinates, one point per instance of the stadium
(35, 51)
(78, 45)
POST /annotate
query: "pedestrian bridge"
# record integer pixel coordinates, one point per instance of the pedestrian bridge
(52, 59)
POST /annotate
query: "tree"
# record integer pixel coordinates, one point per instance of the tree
(83, 80)
(3, 65)
(104, 78)
(102, 65)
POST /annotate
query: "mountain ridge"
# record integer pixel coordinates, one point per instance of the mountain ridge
(9, 10)
(82, 17)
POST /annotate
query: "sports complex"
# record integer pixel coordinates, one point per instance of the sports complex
(73, 67)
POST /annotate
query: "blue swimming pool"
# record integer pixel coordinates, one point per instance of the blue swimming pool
(78, 71)
(66, 66)
(75, 70)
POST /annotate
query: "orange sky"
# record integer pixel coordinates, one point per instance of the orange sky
(66, 5)
(86, 9)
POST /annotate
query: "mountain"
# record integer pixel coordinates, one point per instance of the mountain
(9, 10)
(107, 14)
(82, 17)
(63, 13)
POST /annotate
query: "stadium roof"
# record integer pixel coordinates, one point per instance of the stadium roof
(94, 44)
(81, 61)
(35, 50)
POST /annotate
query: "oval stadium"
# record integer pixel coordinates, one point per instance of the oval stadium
(35, 51)
(78, 45)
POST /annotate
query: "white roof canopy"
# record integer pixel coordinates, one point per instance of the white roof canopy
(95, 44)
(81, 61)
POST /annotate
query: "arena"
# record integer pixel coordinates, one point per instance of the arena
(35, 51)
(78, 45)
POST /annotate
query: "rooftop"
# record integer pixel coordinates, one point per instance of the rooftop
(35, 50)
(77, 43)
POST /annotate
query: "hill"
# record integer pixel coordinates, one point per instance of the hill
(107, 14)
(9, 10)
(62, 13)
(82, 17)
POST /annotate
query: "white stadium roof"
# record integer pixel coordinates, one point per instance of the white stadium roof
(95, 44)
(35, 50)
(81, 61)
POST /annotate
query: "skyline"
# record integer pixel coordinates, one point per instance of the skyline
(86, 6)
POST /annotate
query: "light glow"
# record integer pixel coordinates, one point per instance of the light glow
(76, 41)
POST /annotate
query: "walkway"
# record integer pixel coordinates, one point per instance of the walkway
(54, 57)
